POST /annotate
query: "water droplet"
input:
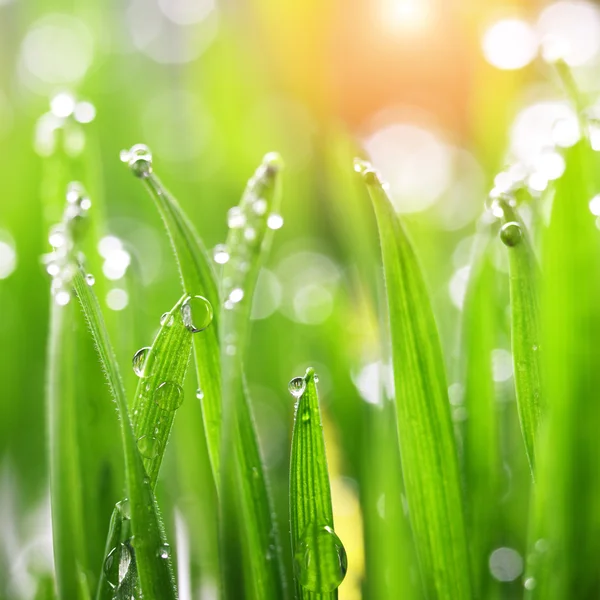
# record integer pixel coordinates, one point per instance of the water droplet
(236, 219)
(124, 508)
(167, 320)
(236, 295)
(306, 416)
(274, 221)
(62, 297)
(360, 165)
(297, 386)
(57, 237)
(530, 583)
(511, 234)
(139, 361)
(273, 160)
(220, 254)
(147, 446)
(139, 159)
(320, 561)
(260, 206)
(168, 395)
(90, 279)
(197, 313)
(164, 551)
(117, 564)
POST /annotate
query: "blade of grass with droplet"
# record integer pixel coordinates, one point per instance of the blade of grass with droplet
(154, 569)
(481, 454)
(162, 369)
(566, 538)
(427, 445)
(245, 490)
(198, 278)
(319, 557)
(68, 530)
(525, 325)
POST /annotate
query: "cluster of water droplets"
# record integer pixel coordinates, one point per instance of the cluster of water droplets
(63, 123)
(139, 159)
(248, 224)
(61, 263)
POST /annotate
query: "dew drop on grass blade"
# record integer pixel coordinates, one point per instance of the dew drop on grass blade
(427, 445)
(565, 544)
(161, 369)
(318, 554)
(198, 279)
(154, 570)
(481, 455)
(246, 506)
(525, 324)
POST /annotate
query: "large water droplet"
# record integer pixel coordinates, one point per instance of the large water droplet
(139, 159)
(297, 386)
(197, 313)
(164, 551)
(117, 564)
(511, 234)
(320, 561)
(168, 395)
(148, 447)
(139, 361)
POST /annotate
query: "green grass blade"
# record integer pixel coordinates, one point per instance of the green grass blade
(162, 369)
(246, 492)
(566, 541)
(427, 445)
(319, 556)
(525, 325)
(198, 279)
(160, 389)
(481, 431)
(151, 556)
(68, 531)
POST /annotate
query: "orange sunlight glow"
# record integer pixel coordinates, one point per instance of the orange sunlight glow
(407, 15)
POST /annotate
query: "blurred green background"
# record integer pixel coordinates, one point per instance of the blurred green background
(440, 96)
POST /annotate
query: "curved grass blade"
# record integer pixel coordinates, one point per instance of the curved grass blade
(525, 325)
(566, 539)
(198, 278)
(481, 432)
(319, 556)
(152, 558)
(162, 369)
(427, 445)
(245, 492)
